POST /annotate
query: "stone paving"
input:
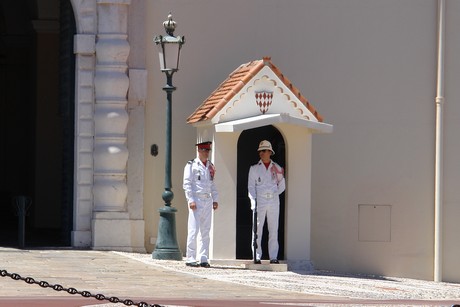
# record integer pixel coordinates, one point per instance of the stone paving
(138, 276)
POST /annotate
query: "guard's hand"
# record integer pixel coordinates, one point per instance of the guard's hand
(192, 205)
(215, 205)
(253, 204)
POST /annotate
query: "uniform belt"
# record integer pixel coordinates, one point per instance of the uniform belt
(203, 195)
(267, 195)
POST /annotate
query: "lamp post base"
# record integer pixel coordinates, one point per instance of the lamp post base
(166, 247)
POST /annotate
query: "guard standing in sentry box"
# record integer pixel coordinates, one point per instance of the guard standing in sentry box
(202, 198)
(265, 183)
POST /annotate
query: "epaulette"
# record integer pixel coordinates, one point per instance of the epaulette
(190, 161)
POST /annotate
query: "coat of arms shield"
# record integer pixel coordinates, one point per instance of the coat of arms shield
(264, 100)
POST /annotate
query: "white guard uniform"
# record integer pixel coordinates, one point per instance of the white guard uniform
(264, 186)
(199, 187)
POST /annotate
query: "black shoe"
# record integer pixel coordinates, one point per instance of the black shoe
(192, 264)
(274, 261)
(205, 265)
(257, 261)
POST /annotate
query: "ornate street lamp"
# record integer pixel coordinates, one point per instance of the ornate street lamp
(169, 51)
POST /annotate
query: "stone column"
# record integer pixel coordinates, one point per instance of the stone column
(85, 57)
(84, 48)
(111, 226)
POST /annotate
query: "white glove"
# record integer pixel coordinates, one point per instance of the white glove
(253, 204)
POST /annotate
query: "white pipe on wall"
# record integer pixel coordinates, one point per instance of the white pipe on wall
(439, 145)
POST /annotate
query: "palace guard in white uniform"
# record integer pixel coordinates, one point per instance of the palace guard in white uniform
(265, 183)
(202, 199)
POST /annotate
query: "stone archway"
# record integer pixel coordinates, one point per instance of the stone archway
(247, 155)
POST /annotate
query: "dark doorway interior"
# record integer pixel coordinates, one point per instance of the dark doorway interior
(36, 121)
(247, 155)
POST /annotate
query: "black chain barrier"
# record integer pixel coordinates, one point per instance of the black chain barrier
(87, 294)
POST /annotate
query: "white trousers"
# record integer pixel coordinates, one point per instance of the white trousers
(271, 212)
(199, 226)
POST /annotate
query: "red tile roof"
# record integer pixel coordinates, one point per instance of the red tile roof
(233, 84)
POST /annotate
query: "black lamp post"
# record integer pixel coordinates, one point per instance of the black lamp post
(169, 51)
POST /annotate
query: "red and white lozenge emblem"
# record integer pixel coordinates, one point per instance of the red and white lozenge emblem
(264, 100)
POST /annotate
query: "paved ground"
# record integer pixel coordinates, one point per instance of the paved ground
(139, 278)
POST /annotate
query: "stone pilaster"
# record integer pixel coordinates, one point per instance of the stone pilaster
(84, 48)
(111, 225)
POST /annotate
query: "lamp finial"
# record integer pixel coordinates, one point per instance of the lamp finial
(169, 25)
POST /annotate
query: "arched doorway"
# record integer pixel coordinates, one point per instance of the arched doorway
(37, 122)
(247, 155)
